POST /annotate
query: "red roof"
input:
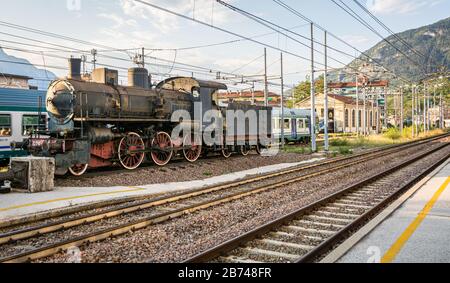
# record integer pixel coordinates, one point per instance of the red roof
(353, 84)
(246, 94)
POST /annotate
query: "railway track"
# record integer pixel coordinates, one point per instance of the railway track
(114, 222)
(310, 232)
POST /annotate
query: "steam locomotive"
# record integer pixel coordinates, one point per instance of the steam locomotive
(94, 122)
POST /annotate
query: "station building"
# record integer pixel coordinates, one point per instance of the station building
(342, 113)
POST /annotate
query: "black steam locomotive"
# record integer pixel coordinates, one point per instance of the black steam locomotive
(94, 122)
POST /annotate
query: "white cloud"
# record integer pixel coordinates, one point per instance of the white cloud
(120, 21)
(355, 39)
(203, 10)
(399, 6)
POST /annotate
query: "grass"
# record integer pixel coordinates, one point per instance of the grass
(207, 174)
(346, 145)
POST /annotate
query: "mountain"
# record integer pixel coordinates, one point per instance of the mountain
(432, 41)
(18, 66)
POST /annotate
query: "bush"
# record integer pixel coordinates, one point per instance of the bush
(345, 150)
(407, 132)
(393, 134)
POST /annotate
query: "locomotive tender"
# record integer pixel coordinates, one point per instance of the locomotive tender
(94, 122)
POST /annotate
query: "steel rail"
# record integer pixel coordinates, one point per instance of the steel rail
(114, 212)
(229, 246)
(131, 199)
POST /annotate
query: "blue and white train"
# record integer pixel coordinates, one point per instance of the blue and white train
(297, 125)
(19, 118)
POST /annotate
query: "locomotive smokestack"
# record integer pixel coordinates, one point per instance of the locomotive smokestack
(75, 68)
(138, 77)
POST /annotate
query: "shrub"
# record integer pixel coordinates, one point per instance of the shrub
(393, 134)
(345, 150)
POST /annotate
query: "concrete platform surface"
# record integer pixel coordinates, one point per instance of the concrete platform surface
(19, 205)
(417, 232)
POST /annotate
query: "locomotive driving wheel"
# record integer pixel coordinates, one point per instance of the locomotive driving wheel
(193, 153)
(164, 153)
(78, 169)
(131, 151)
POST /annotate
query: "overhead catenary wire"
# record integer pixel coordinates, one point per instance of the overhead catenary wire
(226, 31)
(363, 54)
(270, 25)
(355, 15)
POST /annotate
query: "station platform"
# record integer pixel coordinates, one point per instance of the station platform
(414, 229)
(15, 207)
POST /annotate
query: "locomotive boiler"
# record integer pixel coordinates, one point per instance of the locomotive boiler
(95, 122)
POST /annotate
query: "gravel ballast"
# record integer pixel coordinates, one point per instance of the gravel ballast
(183, 237)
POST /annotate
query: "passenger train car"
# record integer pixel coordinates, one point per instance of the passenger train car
(19, 118)
(297, 124)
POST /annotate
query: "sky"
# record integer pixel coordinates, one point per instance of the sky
(128, 24)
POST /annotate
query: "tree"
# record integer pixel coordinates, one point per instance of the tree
(303, 90)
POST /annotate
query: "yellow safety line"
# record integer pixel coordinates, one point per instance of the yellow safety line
(392, 253)
(134, 189)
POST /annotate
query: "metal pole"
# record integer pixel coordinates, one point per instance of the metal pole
(325, 93)
(266, 86)
(418, 111)
(424, 108)
(441, 111)
(253, 94)
(143, 57)
(412, 111)
(378, 110)
(313, 96)
(357, 105)
(364, 112)
(401, 109)
(282, 102)
(395, 110)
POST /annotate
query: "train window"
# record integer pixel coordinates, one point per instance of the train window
(5, 125)
(287, 123)
(31, 123)
(300, 124)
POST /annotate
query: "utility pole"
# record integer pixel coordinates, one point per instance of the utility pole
(325, 93)
(365, 111)
(357, 106)
(282, 102)
(378, 110)
(253, 94)
(395, 109)
(373, 110)
(94, 60)
(441, 111)
(401, 109)
(266, 86)
(425, 108)
(412, 111)
(313, 96)
(418, 112)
